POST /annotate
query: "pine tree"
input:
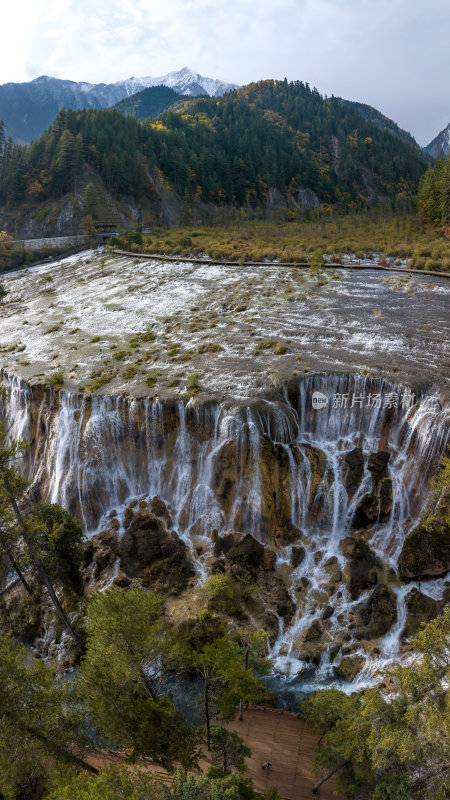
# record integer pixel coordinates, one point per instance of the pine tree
(41, 723)
(19, 525)
(127, 657)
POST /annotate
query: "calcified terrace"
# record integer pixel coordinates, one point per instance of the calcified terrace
(116, 324)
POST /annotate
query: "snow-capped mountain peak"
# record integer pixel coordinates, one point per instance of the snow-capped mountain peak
(184, 81)
(27, 109)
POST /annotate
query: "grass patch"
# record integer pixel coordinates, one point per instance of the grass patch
(55, 380)
(119, 355)
(152, 378)
(54, 328)
(98, 381)
(129, 372)
(210, 348)
(194, 380)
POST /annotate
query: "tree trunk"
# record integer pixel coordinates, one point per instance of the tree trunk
(18, 571)
(39, 566)
(208, 731)
(240, 708)
(317, 785)
(148, 685)
(57, 749)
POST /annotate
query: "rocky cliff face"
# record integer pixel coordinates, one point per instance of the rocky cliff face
(440, 144)
(312, 505)
(426, 550)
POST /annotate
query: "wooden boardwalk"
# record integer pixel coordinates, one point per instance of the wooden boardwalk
(300, 264)
(288, 743)
(276, 736)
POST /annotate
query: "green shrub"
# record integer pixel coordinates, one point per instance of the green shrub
(55, 380)
(194, 380)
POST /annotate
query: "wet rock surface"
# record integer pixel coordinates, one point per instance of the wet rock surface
(153, 555)
(377, 614)
(376, 506)
(362, 567)
(354, 470)
(419, 608)
(288, 534)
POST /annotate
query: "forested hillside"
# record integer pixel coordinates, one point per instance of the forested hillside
(434, 193)
(229, 151)
(380, 120)
(149, 103)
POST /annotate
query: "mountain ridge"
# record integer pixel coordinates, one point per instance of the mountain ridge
(440, 143)
(29, 108)
(380, 120)
(268, 144)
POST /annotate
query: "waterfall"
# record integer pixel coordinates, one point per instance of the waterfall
(248, 467)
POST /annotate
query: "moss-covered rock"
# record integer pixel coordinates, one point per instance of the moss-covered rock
(426, 550)
(349, 668)
(248, 553)
(314, 632)
(275, 595)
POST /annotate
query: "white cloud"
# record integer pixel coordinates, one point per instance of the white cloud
(393, 54)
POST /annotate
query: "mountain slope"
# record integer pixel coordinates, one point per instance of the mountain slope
(149, 103)
(264, 144)
(378, 119)
(440, 144)
(28, 109)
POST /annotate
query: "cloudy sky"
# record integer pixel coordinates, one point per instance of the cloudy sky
(392, 54)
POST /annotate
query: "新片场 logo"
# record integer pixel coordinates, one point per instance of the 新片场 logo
(319, 400)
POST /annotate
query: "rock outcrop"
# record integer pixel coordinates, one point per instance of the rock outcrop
(426, 550)
(377, 614)
(362, 567)
(156, 557)
(248, 554)
(376, 506)
(349, 668)
(353, 470)
(419, 608)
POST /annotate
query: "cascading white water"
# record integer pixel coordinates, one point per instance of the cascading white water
(220, 467)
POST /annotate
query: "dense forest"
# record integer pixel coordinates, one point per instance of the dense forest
(227, 151)
(434, 193)
(150, 103)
